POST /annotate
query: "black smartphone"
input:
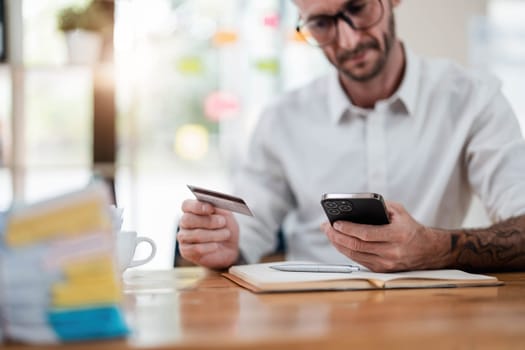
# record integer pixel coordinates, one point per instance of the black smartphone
(361, 208)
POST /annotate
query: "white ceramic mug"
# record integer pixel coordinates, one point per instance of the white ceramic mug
(127, 242)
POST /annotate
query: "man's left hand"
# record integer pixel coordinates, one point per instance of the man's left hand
(402, 245)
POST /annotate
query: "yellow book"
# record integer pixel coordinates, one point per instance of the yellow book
(95, 267)
(66, 216)
(89, 292)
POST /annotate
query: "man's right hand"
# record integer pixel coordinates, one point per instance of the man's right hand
(208, 236)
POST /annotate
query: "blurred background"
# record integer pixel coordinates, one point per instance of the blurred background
(168, 92)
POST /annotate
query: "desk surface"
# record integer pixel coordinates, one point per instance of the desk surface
(192, 308)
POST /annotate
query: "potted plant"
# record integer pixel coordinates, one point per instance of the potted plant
(85, 29)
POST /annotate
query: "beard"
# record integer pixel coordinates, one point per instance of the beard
(374, 44)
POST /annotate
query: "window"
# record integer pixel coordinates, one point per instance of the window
(190, 83)
(497, 45)
(6, 194)
(192, 79)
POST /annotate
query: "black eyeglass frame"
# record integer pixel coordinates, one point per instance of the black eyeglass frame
(339, 15)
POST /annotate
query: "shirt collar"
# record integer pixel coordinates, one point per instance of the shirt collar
(338, 101)
(407, 91)
(339, 104)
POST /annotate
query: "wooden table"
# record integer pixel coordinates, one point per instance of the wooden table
(193, 308)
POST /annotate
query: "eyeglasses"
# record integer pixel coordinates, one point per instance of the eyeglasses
(322, 30)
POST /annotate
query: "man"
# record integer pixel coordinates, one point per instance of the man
(426, 134)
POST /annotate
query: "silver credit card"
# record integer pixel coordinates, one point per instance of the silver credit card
(221, 200)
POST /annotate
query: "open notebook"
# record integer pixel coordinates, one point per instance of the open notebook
(262, 278)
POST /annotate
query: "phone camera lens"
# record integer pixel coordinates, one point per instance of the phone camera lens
(345, 207)
(330, 205)
(333, 211)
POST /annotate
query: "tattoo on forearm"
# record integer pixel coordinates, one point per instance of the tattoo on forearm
(499, 247)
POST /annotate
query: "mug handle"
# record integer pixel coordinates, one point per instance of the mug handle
(138, 262)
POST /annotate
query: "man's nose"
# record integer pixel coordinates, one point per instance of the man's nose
(347, 36)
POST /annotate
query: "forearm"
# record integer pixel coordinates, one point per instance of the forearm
(499, 247)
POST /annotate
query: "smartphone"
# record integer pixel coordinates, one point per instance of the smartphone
(361, 208)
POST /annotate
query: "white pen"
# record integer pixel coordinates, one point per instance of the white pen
(316, 268)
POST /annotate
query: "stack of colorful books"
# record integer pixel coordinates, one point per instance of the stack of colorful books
(59, 279)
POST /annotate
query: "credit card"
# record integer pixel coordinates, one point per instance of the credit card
(221, 200)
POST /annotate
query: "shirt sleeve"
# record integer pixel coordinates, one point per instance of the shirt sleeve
(495, 155)
(262, 182)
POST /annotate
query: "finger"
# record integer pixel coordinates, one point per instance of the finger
(223, 212)
(369, 233)
(341, 242)
(357, 245)
(388, 251)
(394, 207)
(195, 252)
(193, 221)
(362, 258)
(203, 236)
(326, 227)
(197, 207)
(371, 261)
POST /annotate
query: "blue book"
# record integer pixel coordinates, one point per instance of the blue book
(103, 322)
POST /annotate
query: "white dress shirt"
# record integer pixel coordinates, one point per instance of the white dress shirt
(446, 134)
